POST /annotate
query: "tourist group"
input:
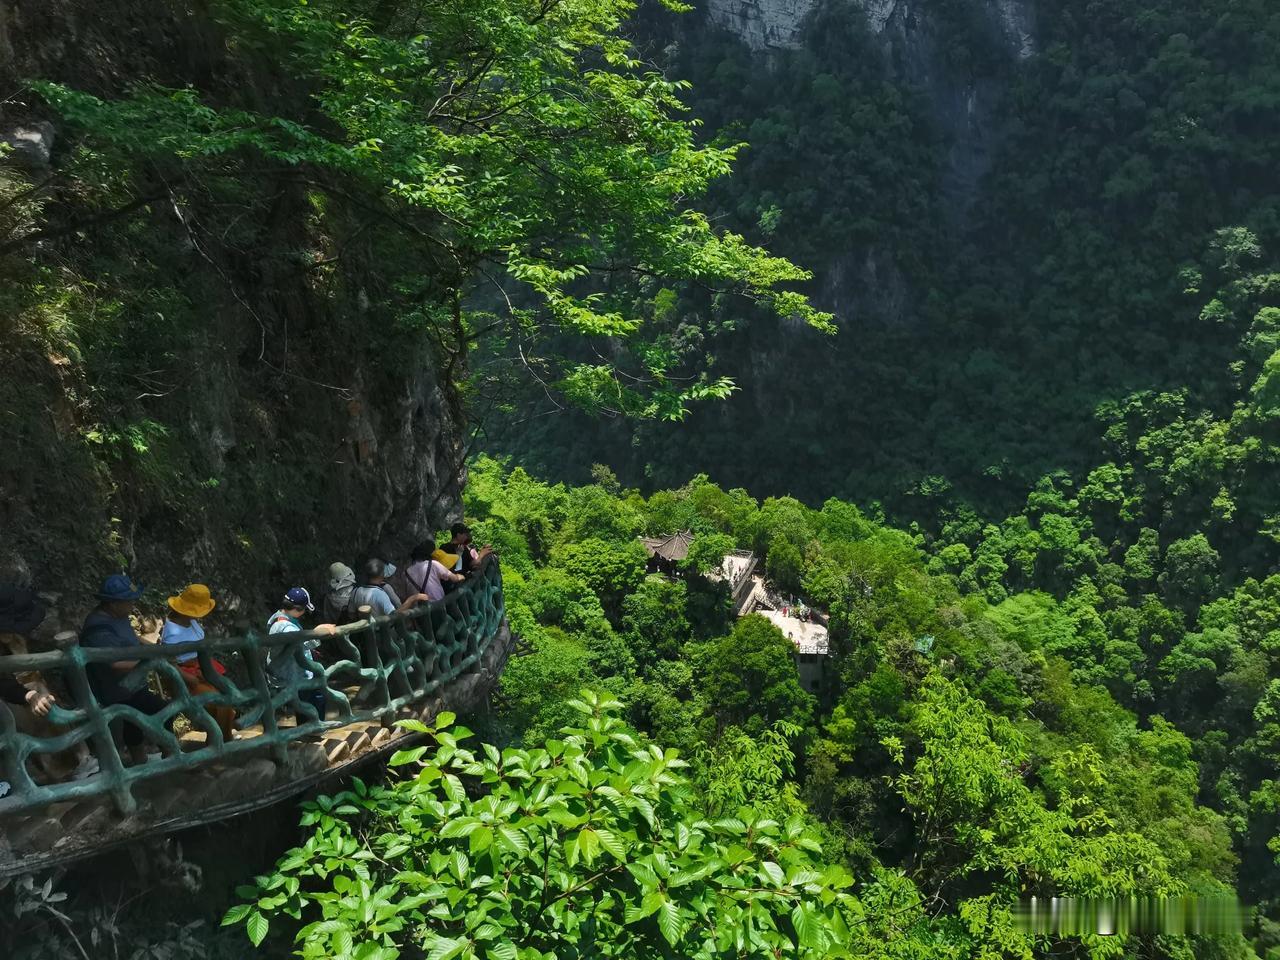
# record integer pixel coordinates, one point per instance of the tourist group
(379, 589)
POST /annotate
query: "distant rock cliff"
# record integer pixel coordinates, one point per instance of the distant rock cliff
(914, 39)
(765, 24)
(917, 40)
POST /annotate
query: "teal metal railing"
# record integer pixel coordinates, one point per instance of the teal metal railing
(375, 668)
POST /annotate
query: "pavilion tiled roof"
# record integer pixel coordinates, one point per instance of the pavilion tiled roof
(673, 548)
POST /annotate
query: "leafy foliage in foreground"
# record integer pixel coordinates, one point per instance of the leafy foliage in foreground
(590, 845)
(596, 844)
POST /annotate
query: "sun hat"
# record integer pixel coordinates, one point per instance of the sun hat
(119, 586)
(340, 575)
(194, 601)
(298, 597)
(20, 609)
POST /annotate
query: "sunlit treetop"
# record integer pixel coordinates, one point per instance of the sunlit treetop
(505, 149)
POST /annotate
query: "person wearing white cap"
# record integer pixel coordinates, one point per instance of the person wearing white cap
(283, 663)
(337, 599)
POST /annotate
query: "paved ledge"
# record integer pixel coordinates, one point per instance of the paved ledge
(74, 830)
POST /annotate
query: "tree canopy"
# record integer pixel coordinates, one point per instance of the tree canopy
(527, 178)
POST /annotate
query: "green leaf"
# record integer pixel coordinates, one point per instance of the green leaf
(256, 926)
(236, 914)
(502, 950)
(458, 865)
(444, 719)
(513, 838)
(343, 942)
(772, 872)
(480, 840)
(646, 811)
(589, 845)
(446, 948)
(682, 836)
(611, 843)
(402, 757)
(809, 930)
(453, 788)
(669, 921)
(649, 905)
(461, 827)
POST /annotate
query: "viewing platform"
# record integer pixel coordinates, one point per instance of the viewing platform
(441, 656)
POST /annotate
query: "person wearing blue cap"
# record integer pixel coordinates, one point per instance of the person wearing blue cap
(109, 626)
(283, 662)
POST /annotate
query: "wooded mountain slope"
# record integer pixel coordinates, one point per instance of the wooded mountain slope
(984, 319)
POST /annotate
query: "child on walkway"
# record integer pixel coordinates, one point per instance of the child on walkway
(283, 663)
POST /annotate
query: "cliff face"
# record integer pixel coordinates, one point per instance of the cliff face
(206, 388)
(917, 42)
(913, 37)
(773, 24)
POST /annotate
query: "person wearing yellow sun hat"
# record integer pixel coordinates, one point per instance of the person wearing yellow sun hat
(182, 625)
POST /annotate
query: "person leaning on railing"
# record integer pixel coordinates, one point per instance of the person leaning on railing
(460, 554)
(282, 662)
(28, 696)
(182, 625)
(109, 626)
(372, 595)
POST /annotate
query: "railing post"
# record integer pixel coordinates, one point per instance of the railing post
(372, 655)
(104, 744)
(258, 675)
(12, 767)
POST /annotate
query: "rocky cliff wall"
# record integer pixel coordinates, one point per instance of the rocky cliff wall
(914, 36)
(773, 24)
(208, 388)
(958, 56)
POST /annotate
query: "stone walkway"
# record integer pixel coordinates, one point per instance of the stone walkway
(69, 831)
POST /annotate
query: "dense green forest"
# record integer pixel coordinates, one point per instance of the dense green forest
(983, 324)
(946, 784)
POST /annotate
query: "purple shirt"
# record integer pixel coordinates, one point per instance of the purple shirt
(426, 576)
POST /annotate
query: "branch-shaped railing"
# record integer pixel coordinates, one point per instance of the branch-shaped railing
(374, 669)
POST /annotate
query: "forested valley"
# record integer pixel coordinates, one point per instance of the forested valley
(971, 342)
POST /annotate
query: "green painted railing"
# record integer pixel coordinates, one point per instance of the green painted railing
(376, 669)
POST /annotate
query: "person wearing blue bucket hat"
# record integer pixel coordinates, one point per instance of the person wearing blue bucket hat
(119, 587)
(109, 626)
